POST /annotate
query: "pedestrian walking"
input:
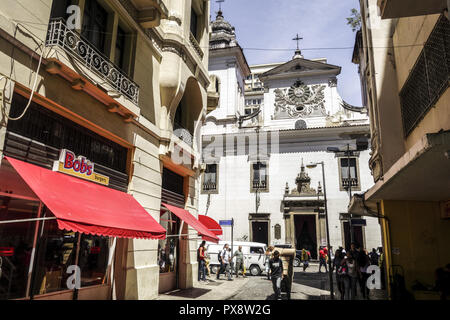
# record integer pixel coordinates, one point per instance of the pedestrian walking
(351, 279)
(222, 264)
(322, 260)
(201, 262)
(226, 261)
(239, 260)
(268, 256)
(354, 250)
(305, 257)
(337, 262)
(373, 255)
(363, 263)
(276, 270)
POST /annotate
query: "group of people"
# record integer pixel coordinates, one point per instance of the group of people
(274, 265)
(225, 258)
(351, 270)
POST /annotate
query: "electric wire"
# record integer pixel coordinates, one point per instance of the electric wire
(249, 48)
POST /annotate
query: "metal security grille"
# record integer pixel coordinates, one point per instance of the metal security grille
(429, 78)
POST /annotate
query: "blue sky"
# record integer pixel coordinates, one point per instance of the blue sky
(273, 24)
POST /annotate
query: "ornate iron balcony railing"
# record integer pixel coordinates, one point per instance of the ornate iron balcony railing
(259, 184)
(209, 185)
(75, 45)
(346, 182)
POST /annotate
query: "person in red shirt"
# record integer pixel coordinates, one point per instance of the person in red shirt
(323, 259)
(201, 262)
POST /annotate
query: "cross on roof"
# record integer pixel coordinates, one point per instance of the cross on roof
(297, 38)
(220, 4)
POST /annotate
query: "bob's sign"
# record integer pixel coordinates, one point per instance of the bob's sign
(79, 167)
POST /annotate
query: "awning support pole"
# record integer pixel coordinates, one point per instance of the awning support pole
(27, 220)
(110, 270)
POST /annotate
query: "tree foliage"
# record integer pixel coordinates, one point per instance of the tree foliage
(354, 20)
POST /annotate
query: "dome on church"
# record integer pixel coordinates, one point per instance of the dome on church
(223, 35)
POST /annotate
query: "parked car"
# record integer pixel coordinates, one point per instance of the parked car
(254, 255)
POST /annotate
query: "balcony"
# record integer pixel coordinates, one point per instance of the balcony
(73, 44)
(346, 182)
(391, 9)
(209, 186)
(195, 45)
(259, 184)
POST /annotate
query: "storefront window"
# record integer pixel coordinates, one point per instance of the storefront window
(168, 248)
(16, 244)
(93, 259)
(56, 252)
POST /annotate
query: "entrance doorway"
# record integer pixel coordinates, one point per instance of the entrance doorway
(260, 231)
(305, 233)
(357, 235)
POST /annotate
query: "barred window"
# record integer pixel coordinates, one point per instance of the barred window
(349, 174)
(429, 78)
(259, 176)
(210, 178)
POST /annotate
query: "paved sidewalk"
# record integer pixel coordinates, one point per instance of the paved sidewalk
(214, 290)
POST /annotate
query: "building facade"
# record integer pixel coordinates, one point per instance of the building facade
(403, 55)
(121, 85)
(270, 122)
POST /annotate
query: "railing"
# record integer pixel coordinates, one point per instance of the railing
(259, 184)
(183, 134)
(74, 44)
(195, 45)
(209, 186)
(346, 182)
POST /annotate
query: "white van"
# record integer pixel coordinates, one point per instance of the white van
(254, 255)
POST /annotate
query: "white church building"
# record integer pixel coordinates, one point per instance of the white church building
(263, 144)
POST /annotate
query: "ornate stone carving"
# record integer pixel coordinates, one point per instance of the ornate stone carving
(303, 182)
(332, 82)
(300, 100)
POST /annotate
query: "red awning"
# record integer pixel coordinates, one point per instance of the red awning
(188, 218)
(87, 207)
(211, 224)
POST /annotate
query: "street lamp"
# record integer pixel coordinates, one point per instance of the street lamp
(362, 144)
(330, 271)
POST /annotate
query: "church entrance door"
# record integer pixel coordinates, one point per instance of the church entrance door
(305, 233)
(260, 232)
(358, 237)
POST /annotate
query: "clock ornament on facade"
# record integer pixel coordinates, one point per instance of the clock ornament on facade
(299, 100)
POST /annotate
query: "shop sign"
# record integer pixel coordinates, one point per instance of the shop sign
(79, 167)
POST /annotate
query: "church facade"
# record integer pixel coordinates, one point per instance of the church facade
(263, 145)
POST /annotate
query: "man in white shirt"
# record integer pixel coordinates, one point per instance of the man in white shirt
(226, 259)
